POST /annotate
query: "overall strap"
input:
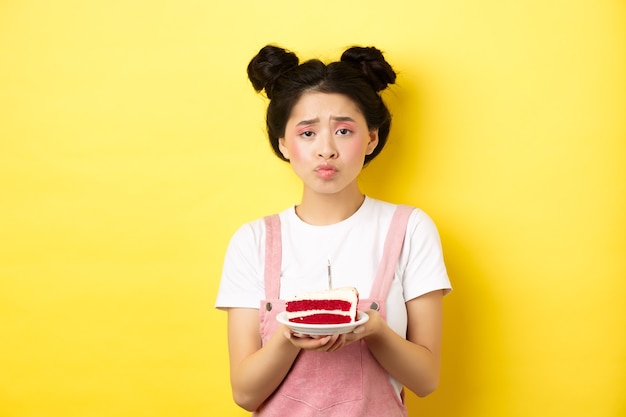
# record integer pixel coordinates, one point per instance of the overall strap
(273, 256)
(391, 252)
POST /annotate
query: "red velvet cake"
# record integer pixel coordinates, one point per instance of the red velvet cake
(324, 307)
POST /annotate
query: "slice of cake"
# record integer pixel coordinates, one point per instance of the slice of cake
(324, 307)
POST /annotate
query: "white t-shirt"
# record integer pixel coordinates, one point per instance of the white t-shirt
(353, 247)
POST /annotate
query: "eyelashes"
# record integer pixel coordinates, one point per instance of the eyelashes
(343, 131)
(339, 132)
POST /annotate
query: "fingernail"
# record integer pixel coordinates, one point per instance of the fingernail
(325, 340)
(287, 335)
(358, 330)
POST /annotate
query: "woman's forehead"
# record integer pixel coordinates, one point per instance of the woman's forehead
(317, 105)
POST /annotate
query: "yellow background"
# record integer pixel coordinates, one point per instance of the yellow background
(132, 146)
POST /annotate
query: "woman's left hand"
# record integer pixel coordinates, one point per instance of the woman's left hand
(370, 327)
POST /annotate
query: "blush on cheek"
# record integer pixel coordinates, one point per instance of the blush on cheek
(354, 148)
(295, 153)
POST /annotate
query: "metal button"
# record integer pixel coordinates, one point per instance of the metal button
(268, 306)
(374, 306)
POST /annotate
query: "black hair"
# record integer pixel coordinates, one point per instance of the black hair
(360, 74)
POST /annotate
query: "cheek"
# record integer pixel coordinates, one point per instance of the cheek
(354, 148)
(295, 151)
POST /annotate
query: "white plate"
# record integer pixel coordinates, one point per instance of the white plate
(322, 329)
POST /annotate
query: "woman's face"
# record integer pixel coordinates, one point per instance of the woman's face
(326, 141)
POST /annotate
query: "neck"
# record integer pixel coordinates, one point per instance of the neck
(325, 209)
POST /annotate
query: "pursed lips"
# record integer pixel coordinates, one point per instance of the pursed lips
(326, 170)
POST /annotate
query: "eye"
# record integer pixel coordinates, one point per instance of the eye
(307, 134)
(343, 132)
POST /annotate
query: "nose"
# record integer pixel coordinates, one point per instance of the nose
(327, 147)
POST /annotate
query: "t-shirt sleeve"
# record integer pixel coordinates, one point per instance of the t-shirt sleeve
(425, 268)
(242, 283)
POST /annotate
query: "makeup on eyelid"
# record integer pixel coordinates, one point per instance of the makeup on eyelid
(348, 127)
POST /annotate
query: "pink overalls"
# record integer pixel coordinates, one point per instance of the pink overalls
(345, 383)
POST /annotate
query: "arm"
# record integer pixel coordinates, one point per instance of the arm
(255, 370)
(413, 362)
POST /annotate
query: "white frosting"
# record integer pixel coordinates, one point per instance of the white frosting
(298, 314)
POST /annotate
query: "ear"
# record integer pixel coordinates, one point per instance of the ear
(283, 149)
(373, 143)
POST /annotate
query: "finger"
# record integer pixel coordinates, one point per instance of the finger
(336, 344)
(323, 342)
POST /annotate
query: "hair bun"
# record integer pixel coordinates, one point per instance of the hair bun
(268, 65)
(372, 64)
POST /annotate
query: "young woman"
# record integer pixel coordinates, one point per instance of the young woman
(328, 121)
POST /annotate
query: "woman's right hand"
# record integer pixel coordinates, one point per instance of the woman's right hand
(327, 343)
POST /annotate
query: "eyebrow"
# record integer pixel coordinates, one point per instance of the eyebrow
(316, 120)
